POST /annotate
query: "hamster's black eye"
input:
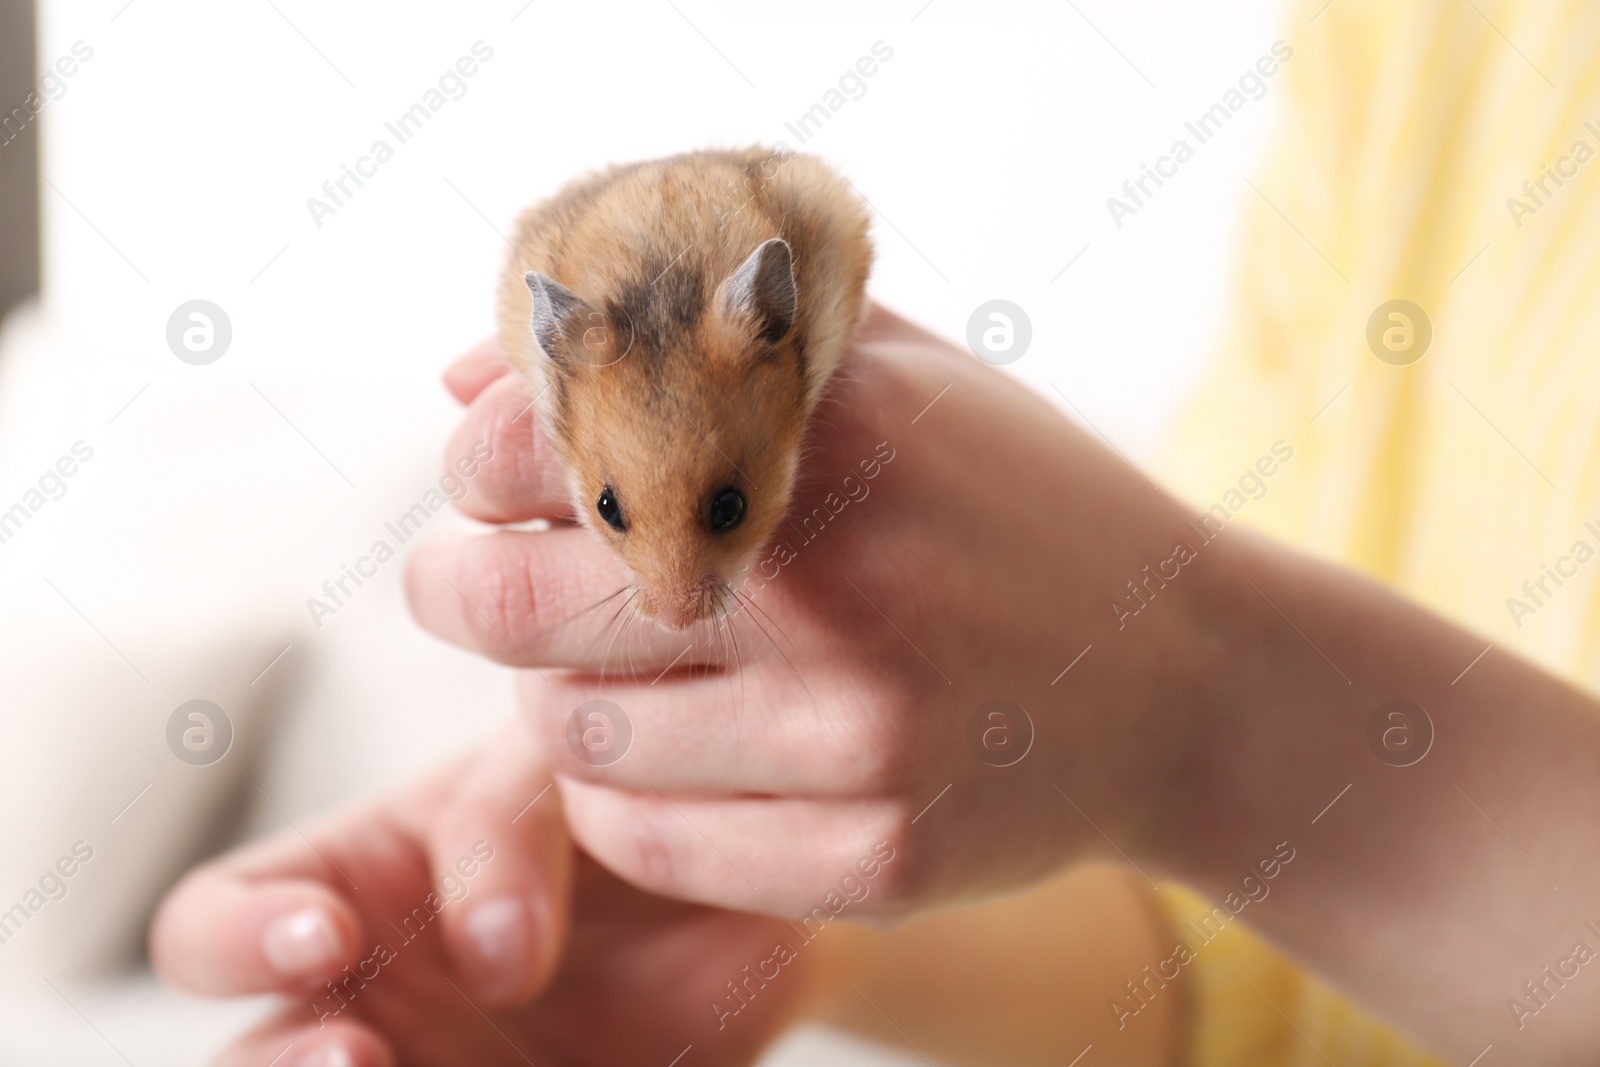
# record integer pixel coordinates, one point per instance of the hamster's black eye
(727, 508)
(609, 511)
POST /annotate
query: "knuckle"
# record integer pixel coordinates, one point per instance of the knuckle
(551, 707)
(655, 854)
(884, 746)
(500, 608)
(901, 871)
(631, 836)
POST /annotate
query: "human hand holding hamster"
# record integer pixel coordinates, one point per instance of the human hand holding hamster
(676, 324)
(923, 572)
(1218, 733)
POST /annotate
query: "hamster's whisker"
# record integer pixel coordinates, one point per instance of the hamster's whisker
(633, 669)
(588, 653)
(721, 648)
(630, 640)
(717, 660)
(738, 659)
(759, 610)
(629, 630)
(600, 636)
(597, 604)
(637, 623)
(749, 601)
(613, 628)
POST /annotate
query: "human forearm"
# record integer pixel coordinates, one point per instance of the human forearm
(1428, 891)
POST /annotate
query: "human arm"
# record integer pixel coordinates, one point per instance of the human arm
(1194, 738)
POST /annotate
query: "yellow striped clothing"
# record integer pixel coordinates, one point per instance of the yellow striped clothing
(1444, 153)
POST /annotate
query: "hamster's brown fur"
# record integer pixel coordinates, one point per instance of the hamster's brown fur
(665, 377)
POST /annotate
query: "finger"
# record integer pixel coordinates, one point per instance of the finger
(274, 915)
(722, 733)
(522, 478)
(547, 599)
(882, 324)
(778, 856)
(286, 1041)
(469, 375)
(503, 865)
(222, 933)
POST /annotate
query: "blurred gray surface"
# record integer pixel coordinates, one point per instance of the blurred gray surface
(19, 156)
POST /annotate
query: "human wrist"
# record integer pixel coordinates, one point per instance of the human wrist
(1280, 654)
(1225, 661)
(1118, 752)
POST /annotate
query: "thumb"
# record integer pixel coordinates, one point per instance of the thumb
(502, 862)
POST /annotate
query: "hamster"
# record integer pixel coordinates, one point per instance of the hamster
(678, 321)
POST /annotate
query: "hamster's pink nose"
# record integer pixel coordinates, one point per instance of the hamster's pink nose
(680, 607)
(676, 619)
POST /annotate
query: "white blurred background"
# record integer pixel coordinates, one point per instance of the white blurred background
(178, 160)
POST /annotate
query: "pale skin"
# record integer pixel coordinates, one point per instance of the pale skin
(1188, 742)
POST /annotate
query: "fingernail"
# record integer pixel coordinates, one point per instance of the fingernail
(504, 938)
(326, 1056)
(301, 943)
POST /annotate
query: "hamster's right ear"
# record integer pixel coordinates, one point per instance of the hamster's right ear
(559, 315)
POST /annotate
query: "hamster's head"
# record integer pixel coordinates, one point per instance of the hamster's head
(679, 407)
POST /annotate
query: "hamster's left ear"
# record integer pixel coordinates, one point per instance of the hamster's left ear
(762, 290)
